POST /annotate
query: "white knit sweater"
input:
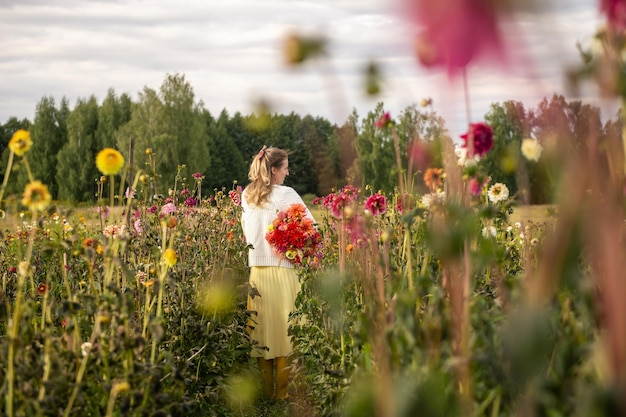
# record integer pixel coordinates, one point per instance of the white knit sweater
(255, 221)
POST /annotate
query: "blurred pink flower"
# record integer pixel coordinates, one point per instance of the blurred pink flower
(615, 11)
(454, 32)
(476, 187)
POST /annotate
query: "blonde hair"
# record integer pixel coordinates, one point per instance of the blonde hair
(260, 174)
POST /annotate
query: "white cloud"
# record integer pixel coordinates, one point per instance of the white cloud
(230, 53)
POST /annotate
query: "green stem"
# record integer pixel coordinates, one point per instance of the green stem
(12, 341)
(111, 191)
(80, 374)
(6, 175)
(28, 171)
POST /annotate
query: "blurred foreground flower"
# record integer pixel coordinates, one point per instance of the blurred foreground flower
(36, 196)
(455, 32)
(20, 142)
(298, 48)
(109, 161)
(615, 11)
(531, 149)
(216, 297)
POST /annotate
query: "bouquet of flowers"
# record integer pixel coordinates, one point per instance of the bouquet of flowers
(293, 236)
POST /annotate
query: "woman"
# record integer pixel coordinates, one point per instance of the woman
(273, 280)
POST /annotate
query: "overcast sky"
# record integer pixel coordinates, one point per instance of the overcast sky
(230, 52)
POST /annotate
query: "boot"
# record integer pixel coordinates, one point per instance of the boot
(266, 367)
(282, 377)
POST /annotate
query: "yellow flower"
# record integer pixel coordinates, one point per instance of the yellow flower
(120, 387)
(169, 257)
(36, 196)
(20, 143)
(109, 161)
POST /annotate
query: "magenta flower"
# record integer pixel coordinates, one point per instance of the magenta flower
(452, 33)
(478, 140)
(339, 201)
(138, 226)
(384, 121)
(191, 202)
(376, 204)
(197, 175)
(168, 208)
(615, 11)
(153, 209)
(476, 187)
(185, 193)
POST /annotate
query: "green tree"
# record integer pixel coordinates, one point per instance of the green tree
(77, 172)
(172, 124)
(49, 135)
(113, 113)
(510, 123)
(227, 162)
(6, 132)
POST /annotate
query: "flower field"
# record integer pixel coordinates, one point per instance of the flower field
(432, 288)
(438, 303)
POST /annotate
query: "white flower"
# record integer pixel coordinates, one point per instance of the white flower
(498, 192)
(534, 241)
(521, 236)
(531, 149)
(518, 224)
(85, 348)
(435, 197)
(489, 231)
(509, 229)
(463, 160)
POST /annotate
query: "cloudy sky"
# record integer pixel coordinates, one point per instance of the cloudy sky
(230, 52)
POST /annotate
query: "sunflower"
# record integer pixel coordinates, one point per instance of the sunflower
(169, 257)
(36, 196)
(20, 143)
(109, 161)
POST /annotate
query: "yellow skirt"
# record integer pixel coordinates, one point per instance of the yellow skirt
(272, 297)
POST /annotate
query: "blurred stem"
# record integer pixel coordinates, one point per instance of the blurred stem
(6, 175)
(111, 191)
(13, 334)
(468, 111)
(396, 145)
(28, 171)
(81, 373)
(162, 275)
(47, 365)
(623, 110)
(65, 280)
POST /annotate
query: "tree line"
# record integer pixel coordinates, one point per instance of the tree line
(179, 131)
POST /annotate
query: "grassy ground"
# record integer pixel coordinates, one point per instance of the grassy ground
(534, 213)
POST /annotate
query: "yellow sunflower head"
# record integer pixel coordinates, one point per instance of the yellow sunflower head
(36, 196)
(20, 143)
(169, 257)
(109, 161)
